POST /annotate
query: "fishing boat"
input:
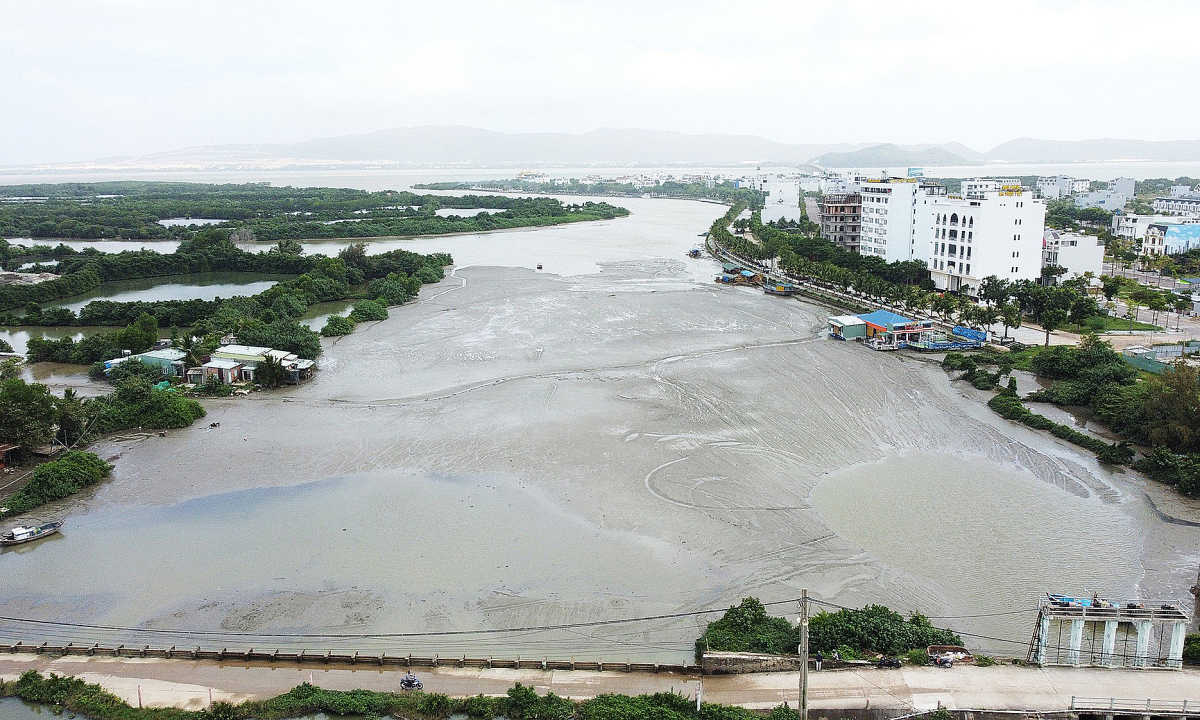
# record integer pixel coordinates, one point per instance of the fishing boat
(28, 533)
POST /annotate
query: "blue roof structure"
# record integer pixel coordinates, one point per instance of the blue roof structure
(883, 318)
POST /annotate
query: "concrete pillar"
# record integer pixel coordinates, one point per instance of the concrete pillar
(1110, 644)
(1143, 642)
(1178, 632)
(1039, 655)
(1076, 642)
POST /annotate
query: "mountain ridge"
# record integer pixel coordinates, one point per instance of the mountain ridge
(459, 145)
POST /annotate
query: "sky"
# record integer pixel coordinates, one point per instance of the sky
(90, 79)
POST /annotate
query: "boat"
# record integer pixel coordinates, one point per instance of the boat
(539, 267)
(28, 533)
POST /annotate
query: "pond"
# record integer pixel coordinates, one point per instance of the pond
(196, 286)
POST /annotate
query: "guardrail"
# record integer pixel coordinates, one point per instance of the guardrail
(1142, 707)
(226, 654)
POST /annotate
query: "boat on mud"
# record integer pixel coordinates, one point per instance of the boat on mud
(22, 534)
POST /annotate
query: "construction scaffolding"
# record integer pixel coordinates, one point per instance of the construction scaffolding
(1092, 631)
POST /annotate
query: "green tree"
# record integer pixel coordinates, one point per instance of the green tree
(270, 373)
(1173, 408)
(337, 325)
(27, 414)
(748, 628)
(1051, 320)
(1010, 312)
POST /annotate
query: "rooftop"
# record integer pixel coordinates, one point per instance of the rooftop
(222, 364)
(883, 318)
(241, 350)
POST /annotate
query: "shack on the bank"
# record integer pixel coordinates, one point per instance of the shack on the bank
(168, 360)
(847, 327)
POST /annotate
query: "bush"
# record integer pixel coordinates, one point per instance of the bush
(958, 361)
(1010, 407)
(917, 656)
(134, 367)
(365, 310)
(748, 628)
(54, 480)
(137, 403)
(1191, 649)
(876, 628)
(985, 661)
(337, 325)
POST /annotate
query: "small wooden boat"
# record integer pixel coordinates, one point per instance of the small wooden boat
(28, 533)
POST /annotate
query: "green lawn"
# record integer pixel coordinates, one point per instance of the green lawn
(1104, 323)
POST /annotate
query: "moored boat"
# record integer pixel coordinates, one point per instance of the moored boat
(28, 533)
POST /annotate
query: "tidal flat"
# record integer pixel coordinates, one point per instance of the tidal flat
(522, 449)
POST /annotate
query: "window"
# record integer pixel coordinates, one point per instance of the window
(968, 269)
(954, 219)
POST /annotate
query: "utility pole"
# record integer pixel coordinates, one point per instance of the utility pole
(804, 655)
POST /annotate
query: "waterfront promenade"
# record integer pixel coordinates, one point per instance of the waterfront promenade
(190, 684)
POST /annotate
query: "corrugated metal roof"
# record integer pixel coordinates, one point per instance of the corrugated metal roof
(170, 354)
(248, 350)
(883, 318)
(222, 364)
(847, 320)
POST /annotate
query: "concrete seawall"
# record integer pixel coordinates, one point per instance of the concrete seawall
(343, 657)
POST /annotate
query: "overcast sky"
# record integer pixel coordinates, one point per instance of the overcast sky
(84, 80)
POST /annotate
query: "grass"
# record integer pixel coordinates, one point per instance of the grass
(1106, 323)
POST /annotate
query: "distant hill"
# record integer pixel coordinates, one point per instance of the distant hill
(888, 155)
(456, 144)
(1030, 150)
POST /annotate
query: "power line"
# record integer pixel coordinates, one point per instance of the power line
(429, 633)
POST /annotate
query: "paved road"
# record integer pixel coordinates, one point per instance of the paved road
(187, 683)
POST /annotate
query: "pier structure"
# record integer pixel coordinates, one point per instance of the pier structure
(1079, 632)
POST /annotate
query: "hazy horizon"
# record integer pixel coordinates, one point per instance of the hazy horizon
(90, 80)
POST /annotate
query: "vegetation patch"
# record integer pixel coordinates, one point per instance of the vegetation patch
(520, 703)
(57, 479)
(853, 633)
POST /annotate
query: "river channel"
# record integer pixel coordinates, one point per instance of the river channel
(615, 436)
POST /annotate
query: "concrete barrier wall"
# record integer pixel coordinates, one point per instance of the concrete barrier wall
(341, 657)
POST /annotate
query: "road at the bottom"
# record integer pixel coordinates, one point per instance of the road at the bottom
(193, 684)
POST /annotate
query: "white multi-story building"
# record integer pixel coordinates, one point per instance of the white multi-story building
(1178, 204)
(895, 218)
(1134, 226)
(1172, 238)
(1053, 188)
(995, 228)
(1104, 199)
(1077, 253)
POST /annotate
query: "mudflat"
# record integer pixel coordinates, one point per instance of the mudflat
(519, 450)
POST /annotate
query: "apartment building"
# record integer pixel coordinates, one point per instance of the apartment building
(995, 227)
(841, 219)
(895, 218)
(1133, 226)
(1179, 204)
(1077, 253)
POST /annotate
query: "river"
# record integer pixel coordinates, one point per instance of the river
(614, 436)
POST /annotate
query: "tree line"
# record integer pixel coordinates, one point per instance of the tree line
(266, 319)
(133, 210)
(725, 191)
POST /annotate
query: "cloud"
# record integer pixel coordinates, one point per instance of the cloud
(92, 78)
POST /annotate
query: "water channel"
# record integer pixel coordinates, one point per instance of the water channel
(615, 436)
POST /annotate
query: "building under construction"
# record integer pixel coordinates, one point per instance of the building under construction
(1092, 631)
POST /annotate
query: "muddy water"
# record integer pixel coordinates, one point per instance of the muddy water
(522, 449)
